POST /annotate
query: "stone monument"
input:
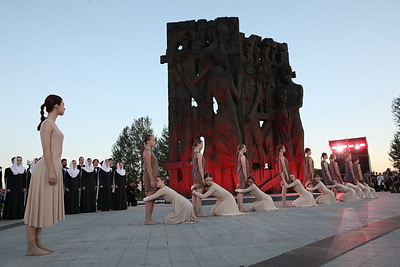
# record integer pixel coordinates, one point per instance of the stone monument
(230, 89)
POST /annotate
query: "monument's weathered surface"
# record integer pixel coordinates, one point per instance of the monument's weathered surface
(230, 89)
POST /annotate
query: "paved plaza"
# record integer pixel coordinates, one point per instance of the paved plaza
(361, 233)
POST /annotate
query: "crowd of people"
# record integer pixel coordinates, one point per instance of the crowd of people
(88, 185)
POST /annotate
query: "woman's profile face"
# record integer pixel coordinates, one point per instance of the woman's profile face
(250, 182)
(60, 108)
(159, 182)
(152, 141)
(208, 181)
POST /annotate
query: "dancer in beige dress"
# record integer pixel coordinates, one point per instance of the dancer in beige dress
(198, 167)
(263, 201)
(45, 204)
(357, 189)
(308, 167)
(349, 193)
(242, 170)
(149, 175)
(284, 171)
(225, 205)
(305, 199)
(368, 191)
(327, 196)
(182, 209)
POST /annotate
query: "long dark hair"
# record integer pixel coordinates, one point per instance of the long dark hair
(49, 103)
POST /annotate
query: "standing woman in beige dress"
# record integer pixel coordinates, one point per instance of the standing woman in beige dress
(149, 175)
(308, 168)
(198, 167)
(242, 170)
(45, 205)
(284, 171)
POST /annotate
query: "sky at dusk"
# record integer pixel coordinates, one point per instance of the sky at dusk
(103, 58)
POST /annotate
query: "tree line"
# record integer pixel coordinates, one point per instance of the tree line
(394, 152)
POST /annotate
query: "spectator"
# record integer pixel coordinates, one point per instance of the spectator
(131, 191)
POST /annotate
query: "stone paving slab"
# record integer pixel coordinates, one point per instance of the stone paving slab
(119, 238)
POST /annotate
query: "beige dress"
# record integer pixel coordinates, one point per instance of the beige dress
(242, 177)
(182, 208)
(358, 176)
(349, 193)
(326, 197)
(309, 169)
(365, 190)
(225, 205)
(45, 204)
(305, 199)
(263, 201)
(358, 190)
(146, 177)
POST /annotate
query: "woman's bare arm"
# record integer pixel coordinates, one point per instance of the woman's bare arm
(45, 135)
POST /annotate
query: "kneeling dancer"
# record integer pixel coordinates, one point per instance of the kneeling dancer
(225, 205)
(182, 209)
(263, 201)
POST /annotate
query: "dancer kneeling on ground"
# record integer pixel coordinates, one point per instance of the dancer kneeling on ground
(225, 205)
(263, 201)
(182, 209)
(327, 196)
(305, 199)
(349, 193)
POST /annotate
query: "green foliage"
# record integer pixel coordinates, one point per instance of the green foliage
(318, 172)
(396, 111)
(394, 152)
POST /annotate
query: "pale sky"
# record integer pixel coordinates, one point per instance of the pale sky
(103, 58)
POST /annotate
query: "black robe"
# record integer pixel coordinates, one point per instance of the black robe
(104, 200)
(88, 192)
(28, 182)
(71, 197)
(1, 177)
(14, 206)
(131, 195)
(119, 195)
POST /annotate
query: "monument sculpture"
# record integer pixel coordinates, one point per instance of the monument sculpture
(230, 89)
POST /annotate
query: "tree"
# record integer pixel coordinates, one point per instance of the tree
(129, 147)
(161, 151)
(394, 152)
